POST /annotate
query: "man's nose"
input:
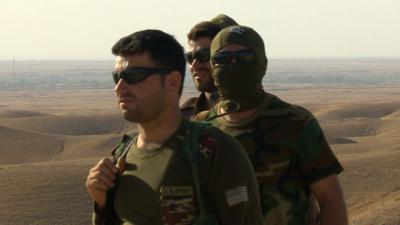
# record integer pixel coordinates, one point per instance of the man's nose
(120, 86)
(196, 61)
(197, 64)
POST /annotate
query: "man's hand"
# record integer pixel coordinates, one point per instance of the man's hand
(102, 177)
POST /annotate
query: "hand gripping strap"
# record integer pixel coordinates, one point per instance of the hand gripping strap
(110, 216)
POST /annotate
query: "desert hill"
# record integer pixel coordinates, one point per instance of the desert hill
(358, 110)
(48, 147)
(18, 114)
(24, 146)
(365, 137)
(68, 125)
(89, 146)
(29, 136)
(45, 193)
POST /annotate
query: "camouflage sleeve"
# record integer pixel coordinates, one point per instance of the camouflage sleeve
(232, 187)
(316, 159)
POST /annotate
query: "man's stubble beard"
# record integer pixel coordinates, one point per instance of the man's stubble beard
(146, 110)
(207, 86)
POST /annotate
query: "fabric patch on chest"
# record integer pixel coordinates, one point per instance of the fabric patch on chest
(208, 145)
(237, 195)
(178, 205)
(176, 191)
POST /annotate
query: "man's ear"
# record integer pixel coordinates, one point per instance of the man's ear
(173, 81)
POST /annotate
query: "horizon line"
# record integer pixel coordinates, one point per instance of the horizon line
(269, 58)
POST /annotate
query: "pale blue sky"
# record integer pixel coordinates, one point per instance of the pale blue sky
(86, 29)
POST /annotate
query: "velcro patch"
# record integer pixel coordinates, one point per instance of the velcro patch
(208, 145)
(176, 191)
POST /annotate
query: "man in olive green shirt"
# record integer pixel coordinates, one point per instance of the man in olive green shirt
(162, 179)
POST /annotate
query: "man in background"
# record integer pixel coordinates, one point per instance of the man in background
(198, 58)
(291, 157)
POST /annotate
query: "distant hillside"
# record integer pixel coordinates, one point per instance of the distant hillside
(49, 75)
(334, 71)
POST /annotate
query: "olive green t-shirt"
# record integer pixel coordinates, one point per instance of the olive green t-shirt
(288, 151)
(157, 184)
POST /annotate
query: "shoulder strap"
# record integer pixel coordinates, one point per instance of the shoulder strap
(191, 150)
(123, 147)
(110, 215)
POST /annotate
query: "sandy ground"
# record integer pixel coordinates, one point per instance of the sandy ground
(50, 139)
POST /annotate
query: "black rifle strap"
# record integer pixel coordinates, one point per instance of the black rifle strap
(110, 215)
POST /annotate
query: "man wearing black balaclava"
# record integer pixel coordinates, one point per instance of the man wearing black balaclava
(291, 157)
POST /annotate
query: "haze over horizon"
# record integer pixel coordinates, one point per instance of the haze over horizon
(86, 30)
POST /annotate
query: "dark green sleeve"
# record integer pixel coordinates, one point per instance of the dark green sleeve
(232, 184)
(316, 158)
(97, 217)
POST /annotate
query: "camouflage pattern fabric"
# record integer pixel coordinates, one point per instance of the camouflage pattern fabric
(288, 151)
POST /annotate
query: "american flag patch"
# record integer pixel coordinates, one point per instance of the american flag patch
(236, 195)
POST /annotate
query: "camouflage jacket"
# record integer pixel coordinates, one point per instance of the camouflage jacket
(288, 151)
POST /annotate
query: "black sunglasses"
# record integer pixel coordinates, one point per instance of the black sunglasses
(241, 56)
(202, 55)
(135, 75)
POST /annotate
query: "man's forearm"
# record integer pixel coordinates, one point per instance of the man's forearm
(331, 201)
(334, 213)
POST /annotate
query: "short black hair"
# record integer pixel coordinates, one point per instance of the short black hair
(164, 49)
(203, 29)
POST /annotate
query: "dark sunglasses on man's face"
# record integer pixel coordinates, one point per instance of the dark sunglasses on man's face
(202, 55)
(135, 75)
(241, 56)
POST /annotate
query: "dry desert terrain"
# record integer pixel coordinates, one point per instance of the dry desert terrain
(50, 139)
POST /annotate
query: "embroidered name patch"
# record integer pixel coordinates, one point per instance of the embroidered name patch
(237, 195)
(176, 191)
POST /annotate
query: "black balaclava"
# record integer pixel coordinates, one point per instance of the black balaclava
(240, 84)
